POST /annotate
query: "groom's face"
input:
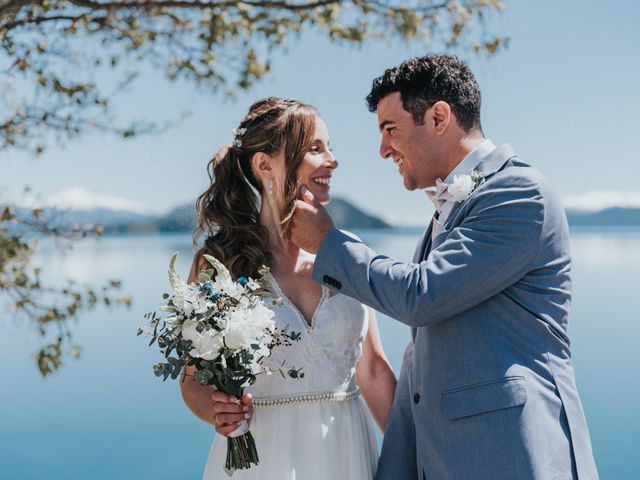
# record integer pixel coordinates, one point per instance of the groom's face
(412, 147)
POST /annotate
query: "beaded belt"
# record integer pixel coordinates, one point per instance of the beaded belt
(306, 398)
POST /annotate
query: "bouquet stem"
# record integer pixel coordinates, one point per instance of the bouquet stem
(241, 449)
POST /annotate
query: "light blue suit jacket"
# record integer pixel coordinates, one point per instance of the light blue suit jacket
(487, 388)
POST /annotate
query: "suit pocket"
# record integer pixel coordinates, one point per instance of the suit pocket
(484, 397)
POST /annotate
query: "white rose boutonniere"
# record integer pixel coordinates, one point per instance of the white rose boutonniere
(463, 185)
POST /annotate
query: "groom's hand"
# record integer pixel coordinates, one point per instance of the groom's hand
(310, 223)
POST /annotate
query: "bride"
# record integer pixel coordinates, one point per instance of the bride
(316, 426)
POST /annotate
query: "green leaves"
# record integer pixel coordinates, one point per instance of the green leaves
(223, 47)
(203, 277)
(49, 309)
(172, 368)
(56, 53)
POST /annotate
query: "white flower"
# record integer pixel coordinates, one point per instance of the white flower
(205, 345)
(463, 185)
(228, 287)
(248, 325)
(237, 134)
(187, 300)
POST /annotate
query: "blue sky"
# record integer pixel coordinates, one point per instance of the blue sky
(564, 95)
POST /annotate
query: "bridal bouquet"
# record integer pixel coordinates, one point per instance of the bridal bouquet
(225, 330)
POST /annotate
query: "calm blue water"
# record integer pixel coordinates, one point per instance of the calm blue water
(106, 416)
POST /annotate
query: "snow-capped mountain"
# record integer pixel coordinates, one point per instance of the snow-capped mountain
(78, 205)
(81, 198)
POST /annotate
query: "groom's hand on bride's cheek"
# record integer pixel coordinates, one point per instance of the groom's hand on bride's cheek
(311, 222)
(229, 412)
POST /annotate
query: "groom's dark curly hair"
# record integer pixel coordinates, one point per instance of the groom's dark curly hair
(423, 81)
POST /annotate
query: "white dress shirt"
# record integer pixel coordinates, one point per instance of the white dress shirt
(443, 201)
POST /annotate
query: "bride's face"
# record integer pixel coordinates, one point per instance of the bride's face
(318, 165)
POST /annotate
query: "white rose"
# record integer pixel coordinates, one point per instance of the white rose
(210, 344)
(246, 325)
(189, 331)
(261, 316)
(461, 187)
(205, 345)
(238, 335)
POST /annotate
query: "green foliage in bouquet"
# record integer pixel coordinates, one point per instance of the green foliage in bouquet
(225, 330)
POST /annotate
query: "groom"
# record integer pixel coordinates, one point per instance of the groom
(487, 388)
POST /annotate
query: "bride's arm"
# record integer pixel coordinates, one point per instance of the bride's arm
(375, 376)
(208, 405)
(197, 396)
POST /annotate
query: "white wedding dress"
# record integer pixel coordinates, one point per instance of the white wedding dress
(316, 427)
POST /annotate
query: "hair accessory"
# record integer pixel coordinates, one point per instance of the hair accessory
(237, 136)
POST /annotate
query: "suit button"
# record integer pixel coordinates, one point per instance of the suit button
(416, 398)
(338, 285)
(325, 279)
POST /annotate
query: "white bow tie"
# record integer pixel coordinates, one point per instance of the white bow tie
(440, 196)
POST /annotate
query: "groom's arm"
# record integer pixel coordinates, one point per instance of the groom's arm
(493, 248)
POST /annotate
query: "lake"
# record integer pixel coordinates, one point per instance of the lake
(106, 416)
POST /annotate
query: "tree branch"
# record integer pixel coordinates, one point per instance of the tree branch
(197, 4)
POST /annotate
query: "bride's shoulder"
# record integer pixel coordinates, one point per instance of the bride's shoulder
(197, 265)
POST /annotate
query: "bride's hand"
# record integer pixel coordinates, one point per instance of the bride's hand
(229, 412)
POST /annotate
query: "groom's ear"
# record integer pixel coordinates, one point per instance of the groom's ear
(439, 117)
(261, 165)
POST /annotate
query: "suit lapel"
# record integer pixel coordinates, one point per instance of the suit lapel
(420, 254)
(424, 244)
(491, 164)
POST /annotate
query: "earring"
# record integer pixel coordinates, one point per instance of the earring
(270, 187)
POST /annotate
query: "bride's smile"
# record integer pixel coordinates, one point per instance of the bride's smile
(317, 166)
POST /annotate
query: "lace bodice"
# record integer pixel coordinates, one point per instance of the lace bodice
(327, 351)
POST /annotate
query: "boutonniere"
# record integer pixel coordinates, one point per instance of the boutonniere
(463, 185)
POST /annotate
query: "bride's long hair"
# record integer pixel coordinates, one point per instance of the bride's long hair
(228, 211)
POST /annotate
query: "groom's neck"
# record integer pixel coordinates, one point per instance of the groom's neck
(461, 148)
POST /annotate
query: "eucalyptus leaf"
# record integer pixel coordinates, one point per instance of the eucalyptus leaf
(203, 277)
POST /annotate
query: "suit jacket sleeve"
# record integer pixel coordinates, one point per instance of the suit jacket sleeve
(398, 456)
(491, 249)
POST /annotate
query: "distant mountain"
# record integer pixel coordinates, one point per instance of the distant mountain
(347, 216)
(608, 217)
(603, 208)
(79, 206)
(180, 219)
